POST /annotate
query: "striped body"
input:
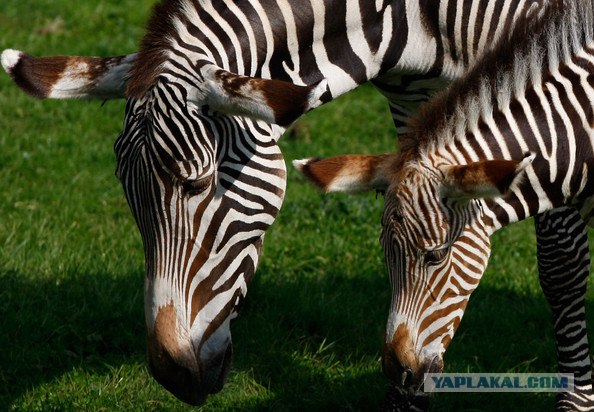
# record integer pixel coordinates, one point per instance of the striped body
(198, 157)
(513, 138)
(454, 35)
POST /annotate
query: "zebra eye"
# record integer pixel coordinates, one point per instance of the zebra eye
(436, 256)
(395, 218)
(195, 187)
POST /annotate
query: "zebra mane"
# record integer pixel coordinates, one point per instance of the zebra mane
(532, 50)
(155, 42)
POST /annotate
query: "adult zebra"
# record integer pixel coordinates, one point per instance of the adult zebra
(203, 184)
(513, 138)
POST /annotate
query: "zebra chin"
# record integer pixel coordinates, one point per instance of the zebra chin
(189, 384)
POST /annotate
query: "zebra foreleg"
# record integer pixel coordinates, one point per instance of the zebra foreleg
(564, 264)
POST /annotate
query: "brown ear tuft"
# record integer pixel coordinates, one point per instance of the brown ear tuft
(285, 101)
(498, 173)
(68, 77)
(487, 178)
(319, 172)
(289, 101)
(349, 173)
(34, 75)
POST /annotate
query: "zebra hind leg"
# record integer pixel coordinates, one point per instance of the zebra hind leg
(563, 264)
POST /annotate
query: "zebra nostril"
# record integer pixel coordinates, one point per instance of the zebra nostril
(407, 376)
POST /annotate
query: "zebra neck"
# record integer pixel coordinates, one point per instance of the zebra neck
(346, 42)
(445, 38)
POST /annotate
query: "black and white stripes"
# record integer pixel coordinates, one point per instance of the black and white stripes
(512, 138)
(198, 156)
(455, 33)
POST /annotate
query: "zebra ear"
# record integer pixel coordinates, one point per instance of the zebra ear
(68, 77)
(349, 173)
(273, 101)
(484, 179)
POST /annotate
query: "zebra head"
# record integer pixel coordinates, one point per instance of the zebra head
(204, 178)
(203, 186)
(435, 236)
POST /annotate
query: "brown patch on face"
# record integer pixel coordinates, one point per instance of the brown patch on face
(163, 344)
(167, 363)
(398, 355)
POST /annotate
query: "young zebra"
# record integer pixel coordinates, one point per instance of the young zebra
(204, 185)
(511, 139)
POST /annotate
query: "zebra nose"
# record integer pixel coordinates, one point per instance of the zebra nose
(399, 361)
(180, 380)
(402, 375)
(215, 369)
(190, 383)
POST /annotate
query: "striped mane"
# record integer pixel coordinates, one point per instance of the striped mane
(525, 57)
(151, 56)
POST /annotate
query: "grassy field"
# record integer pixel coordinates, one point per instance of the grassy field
(71, 264)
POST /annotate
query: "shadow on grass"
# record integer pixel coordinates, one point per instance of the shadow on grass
(503, 331)
(313, 343)
(309, 343)
(95, 322)
(49, 327)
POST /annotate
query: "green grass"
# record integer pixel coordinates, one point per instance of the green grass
(71, 264)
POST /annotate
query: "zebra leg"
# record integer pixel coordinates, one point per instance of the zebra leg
(563, 264)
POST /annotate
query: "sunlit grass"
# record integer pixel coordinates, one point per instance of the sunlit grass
(71, 264)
